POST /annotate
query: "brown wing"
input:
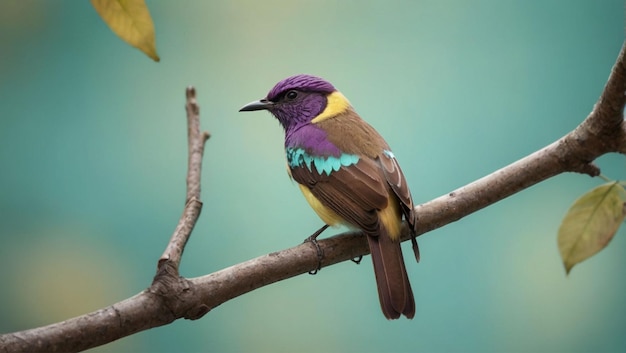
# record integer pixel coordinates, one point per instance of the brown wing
(355, 192)
(355, 136)
(395, 178)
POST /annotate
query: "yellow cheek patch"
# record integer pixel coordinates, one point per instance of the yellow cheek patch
(336, 105)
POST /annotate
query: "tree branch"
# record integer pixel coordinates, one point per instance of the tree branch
(171, 297)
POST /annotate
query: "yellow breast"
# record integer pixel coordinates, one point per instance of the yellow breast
(326, 214)
(389, 216)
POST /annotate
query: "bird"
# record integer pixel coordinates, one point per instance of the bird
(349, 176)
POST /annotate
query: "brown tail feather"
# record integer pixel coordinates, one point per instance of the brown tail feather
(394, 289)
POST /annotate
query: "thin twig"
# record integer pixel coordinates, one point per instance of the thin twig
(196, 140)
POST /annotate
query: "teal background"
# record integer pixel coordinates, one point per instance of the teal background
(93, 157)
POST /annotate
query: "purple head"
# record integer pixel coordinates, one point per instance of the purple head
(295, 100)
(302, 82)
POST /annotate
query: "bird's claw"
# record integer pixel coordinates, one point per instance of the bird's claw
(320, 253)
(357, 260)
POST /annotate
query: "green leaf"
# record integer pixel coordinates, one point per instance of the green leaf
(131, 21)
(591, 222)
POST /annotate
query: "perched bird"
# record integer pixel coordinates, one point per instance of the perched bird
(349, 176)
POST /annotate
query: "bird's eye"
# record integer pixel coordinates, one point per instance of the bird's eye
(291, 95)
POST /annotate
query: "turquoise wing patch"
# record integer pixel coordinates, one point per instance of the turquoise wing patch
(297, 157)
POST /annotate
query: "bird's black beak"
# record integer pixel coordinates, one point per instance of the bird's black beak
(262, 104)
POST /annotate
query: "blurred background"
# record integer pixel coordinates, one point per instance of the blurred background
(93, 154)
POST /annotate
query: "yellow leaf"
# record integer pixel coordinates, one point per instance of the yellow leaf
(131, 21)
(590, 223)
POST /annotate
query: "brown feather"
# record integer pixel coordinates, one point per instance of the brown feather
(394, 289)
(353, 135)
(398, 184)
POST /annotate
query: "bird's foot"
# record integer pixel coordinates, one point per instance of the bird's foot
(320, 253)
(357, 260)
